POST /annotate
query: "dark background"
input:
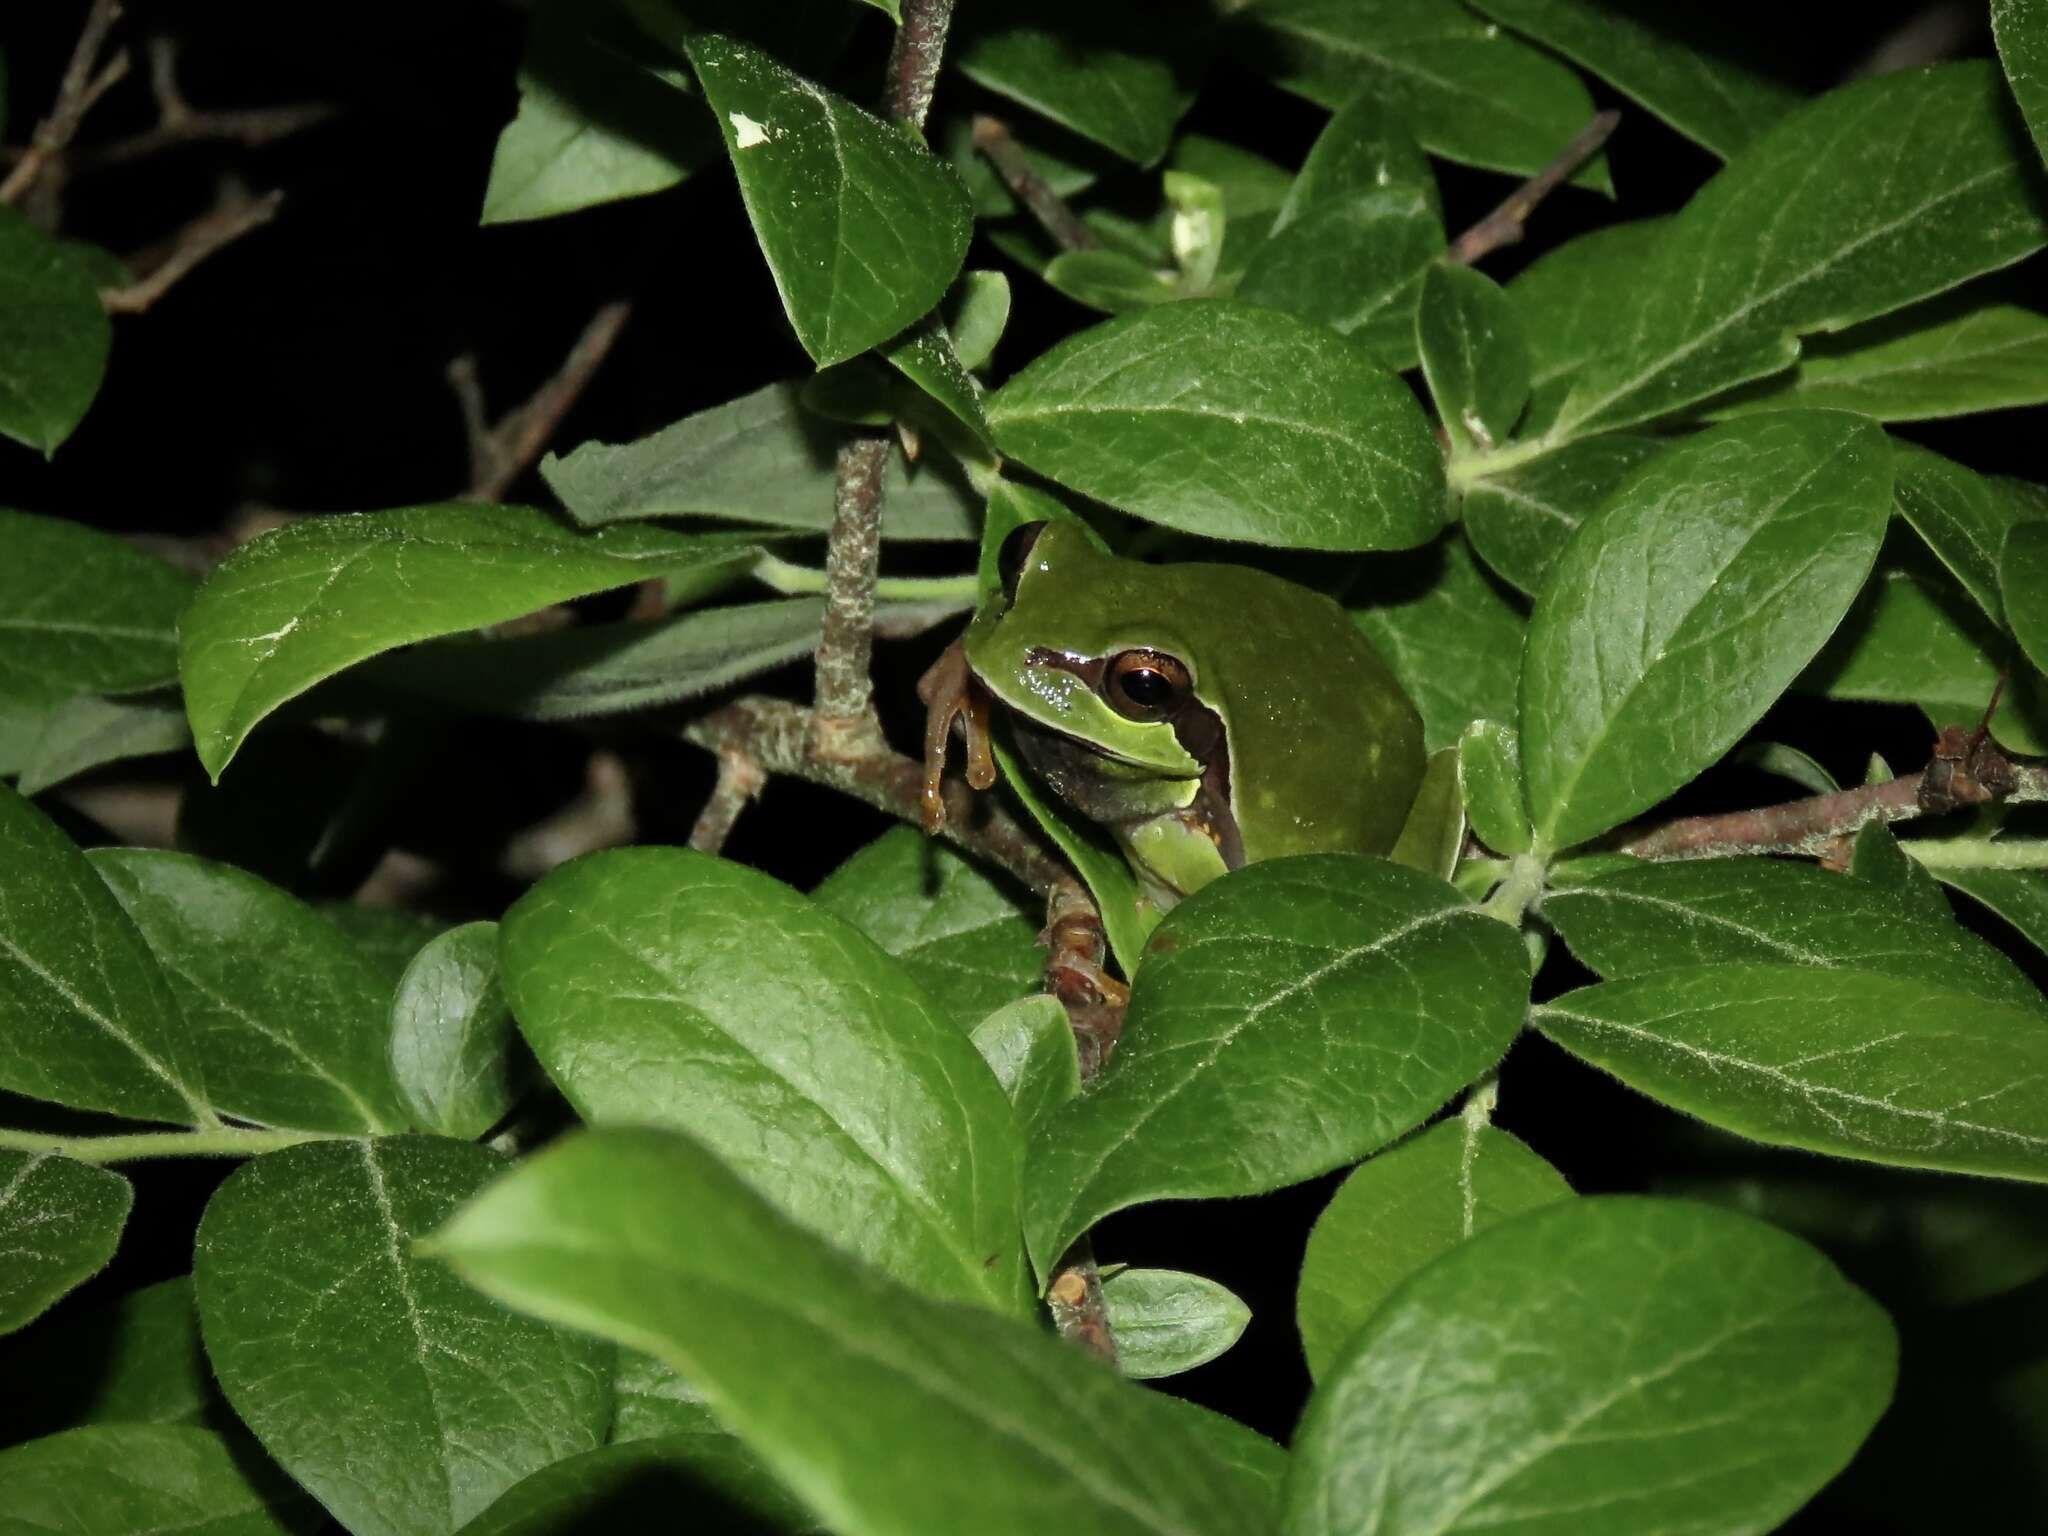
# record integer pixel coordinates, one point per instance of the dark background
(304, 370)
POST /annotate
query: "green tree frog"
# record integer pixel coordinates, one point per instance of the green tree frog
(1206, 715)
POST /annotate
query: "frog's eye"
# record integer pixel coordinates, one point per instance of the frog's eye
(1145, 685)
(1015, 553)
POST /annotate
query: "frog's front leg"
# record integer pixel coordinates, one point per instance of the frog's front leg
(950, 691)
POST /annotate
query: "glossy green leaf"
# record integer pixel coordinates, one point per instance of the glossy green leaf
(134, 1361)
(1843, 1060)
(1925, 189)
(394, 1394)
(1226, 420)
(863, 228)
(646, 1237)
(969, 941)
(717, 1488)
(1788, 763)
(663, 987)
(1662, 917)
(384, 936)
(593, 126)
(1687, 604)
(1097, 71)
(1434, 834)
(1109, 281)
(1364, 146)
(2021, 28)
(281, 1011)
(305, 602)
(82, 612)
(86, 1019)
(1029, 1045)
(1951, 357)
(88, 732)
(1490, 782)
(1519, 518)
(757, 459)
(1474, 354)
(1711, 100)
(1356, 266)
(53, 333)
(1677, 1367)
(1469, 91)
(59, 1222)
(924, 355)
(1252, 187)
(1876, 859)
(1568, 298)
(1963, 516)
(1396, 1212)
(143, 1478)
(1167, 1322)
(2023, 578)
(1453, 641)
(2018, 896)
(1290, 1018)
(977, 312)
(453, 1045)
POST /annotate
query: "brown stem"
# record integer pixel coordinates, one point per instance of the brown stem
(993, 139)
(83, 84)
(1505, 225)
(844, 720)
(499, 454)
(178, 122)
(235, 216)
(914, 60)
(740, 779)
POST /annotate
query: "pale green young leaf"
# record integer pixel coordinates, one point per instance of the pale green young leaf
(1687, 604)
(1475, 354)
(862, 227)
(1363, 147)
(1490, 780)
(662, 987)
(1355, 264)
(1453, 640)
(137, 1478)
(2023, 578)
(54, 334)
(1252, 187)
(1845, 1060)
(1433, 836)
(643, 1485)
(452, 1042)
(87, 732)
(1519, 518)
(1399, 1210)
(1029, 1045)
(1676, 1367)
(59, 1223)
(393, 1393)
(1293, 1016)
(1231, 421)
(1109, 281)
(1195, 230)
(645, 1237)
(1166, 1322)
(2021, 28)
(977, 311)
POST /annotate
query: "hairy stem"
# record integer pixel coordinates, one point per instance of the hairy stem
(226, 1141)
(844, 715)
(915, 58)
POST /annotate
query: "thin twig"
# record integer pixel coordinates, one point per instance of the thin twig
(1506, 224)
(740, 779)
(500, 453)
(992, 138)
(83, 84)
(178, 122)
(914, 60)
(234, 217)
(844, 717)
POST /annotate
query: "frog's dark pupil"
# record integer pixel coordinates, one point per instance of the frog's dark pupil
(1147, 688)
(1015, 553)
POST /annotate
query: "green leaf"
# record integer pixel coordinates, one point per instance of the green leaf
(1963, 516)
(660, 987)
(53, 333)
(976, 314)
(646, 1237)
(452, 1037)
(650, 1399)
(136, 1478)
(1356, 266)
(305, 602)
(1924, 190)
(1253, 188)
(1847, 1061)
(59, 1224)
(1375, 984)
(136, 1361)
(642, 1486)
(1518, 519)
(1434, 834)
(1029, 1045)
(1109, 281)
(1687, 604)
(281, 1010)
(2023, 577)
(2021, 28)
(88, 732)
(1167, 1322)
(1097, 71)
(1469, 91)
(1490, 782)
(1568, 300)
(1680, 1367)
(385, 937)
(2018, 896)
(1788, 763)
(1875, 858)
(86, 1019)
(1663, 917)
(1710, 100)
(1950, 357)
(82, 612)
(1363, 147)
(862, 227)
(966, 939)
(924, 355)
(1453, 641)
(757, 459)
(1474, 354)
(1403, 1208)
(395, 1395)
(594, 125)
(1225, 420)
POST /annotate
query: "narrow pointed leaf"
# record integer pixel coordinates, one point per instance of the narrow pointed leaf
(2021, 28)
(1290, 1018)
(54, 334)
(455, 1056)
(645, 1237)
(1167, 1322)
(1356, 265)
(1490, 783)
(863, 228)
(59, 1222)
(2023, 577)
(1453, 641)
(1680, 611)
(1520, 518)
(397, 1396)
(1230, 421)
(1474, 354)
(144, 1478)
